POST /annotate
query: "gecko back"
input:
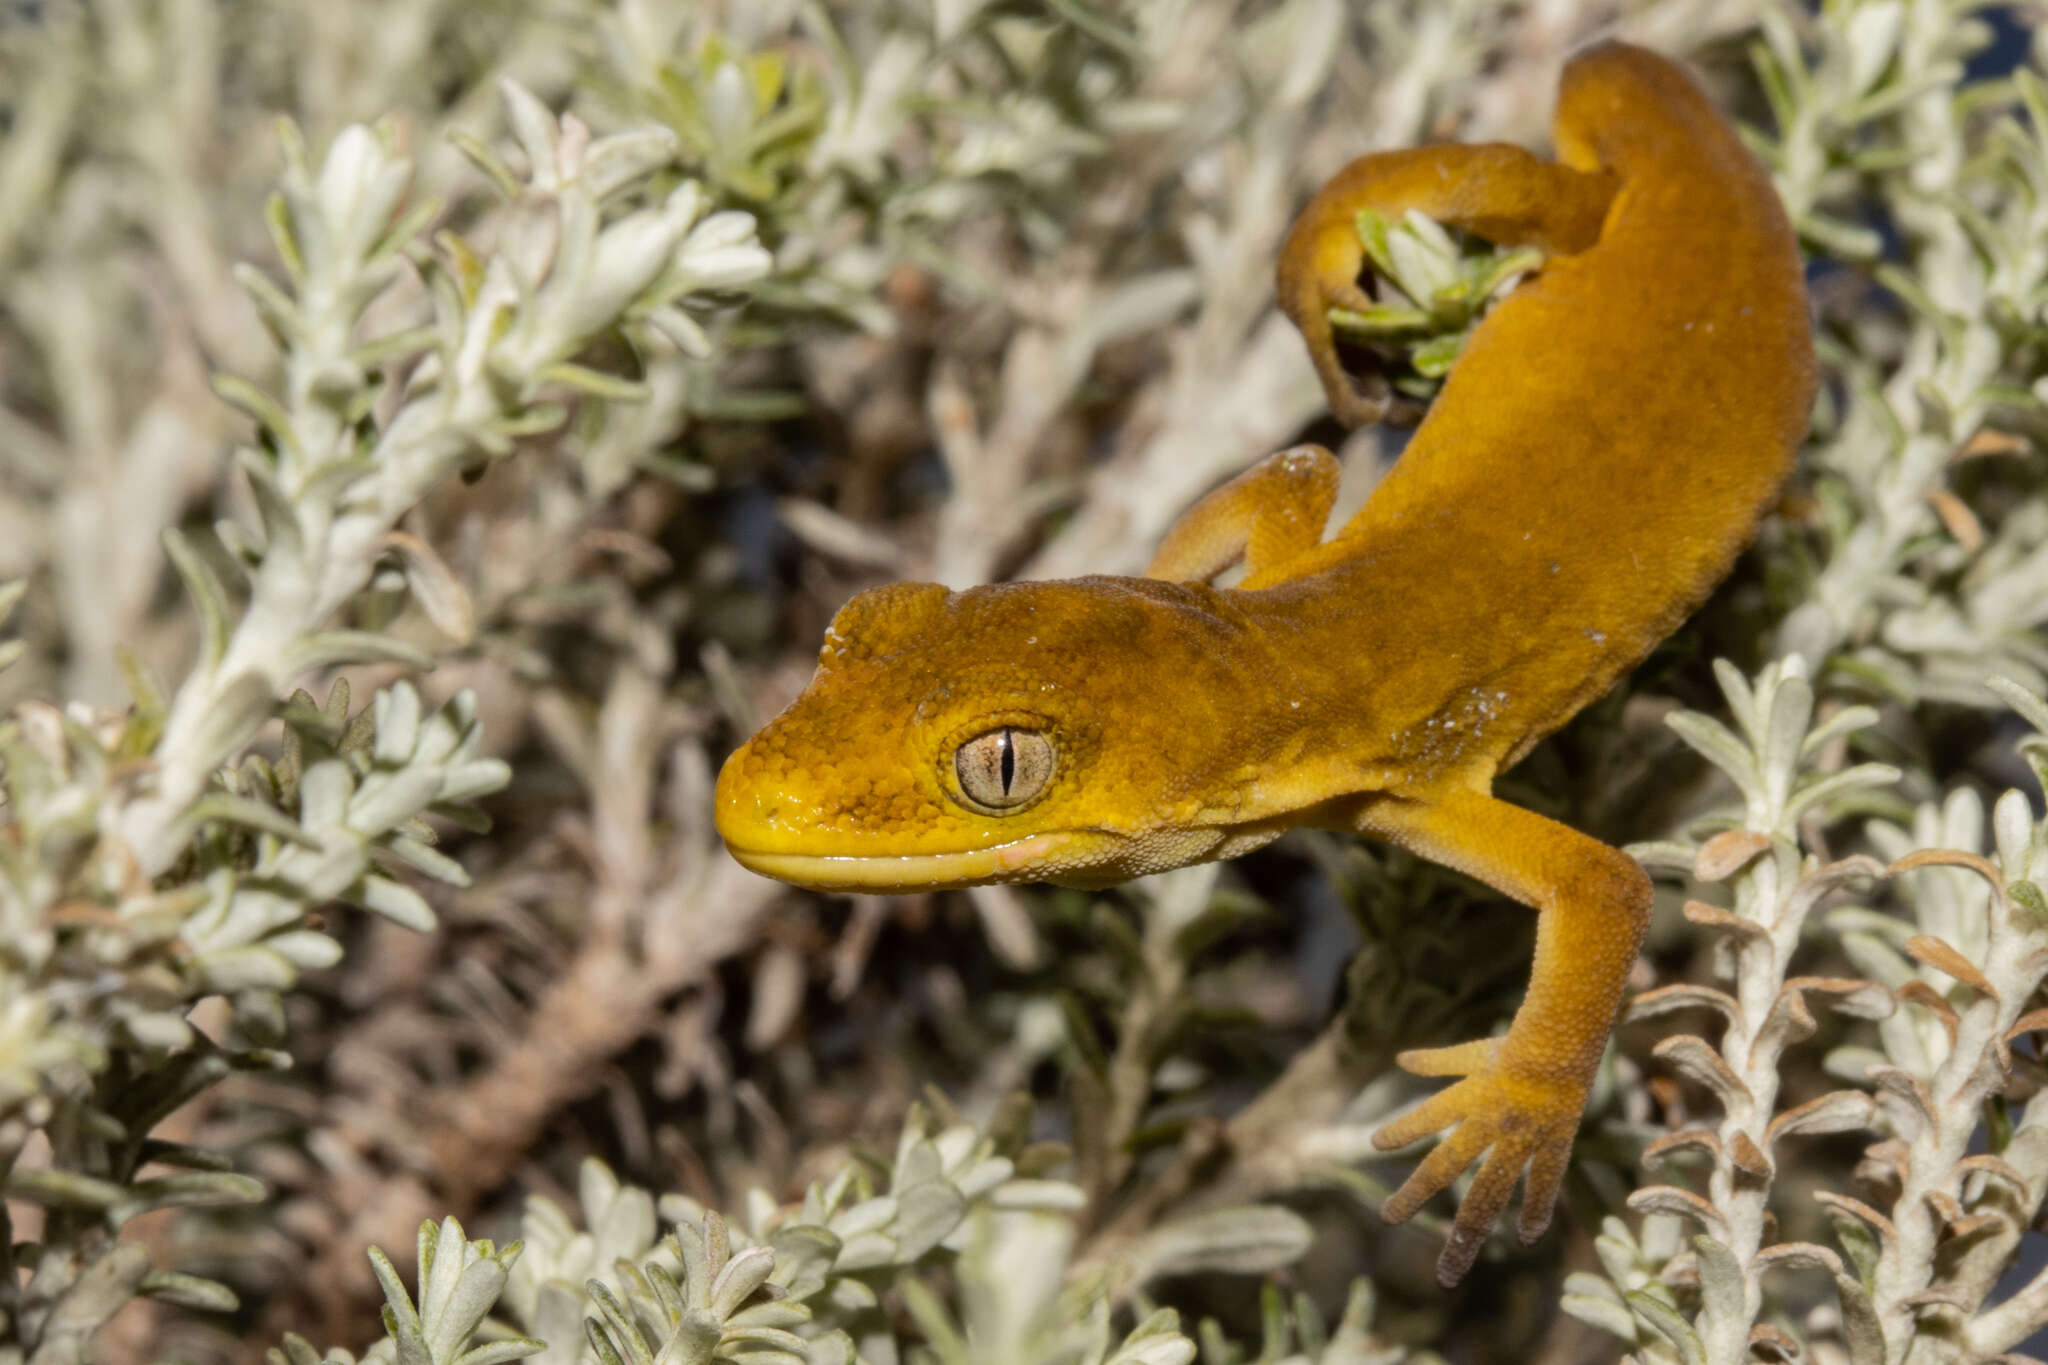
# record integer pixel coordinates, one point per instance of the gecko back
(1608, 439)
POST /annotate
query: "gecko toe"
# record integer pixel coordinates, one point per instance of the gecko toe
(1459, 1059)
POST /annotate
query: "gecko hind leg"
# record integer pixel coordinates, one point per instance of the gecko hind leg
(1270, 514)
(1495, 191)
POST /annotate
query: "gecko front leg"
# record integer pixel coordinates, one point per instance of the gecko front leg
(1521, 1095)
(1266, 516)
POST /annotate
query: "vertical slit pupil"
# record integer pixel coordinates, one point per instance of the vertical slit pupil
(1009, 762)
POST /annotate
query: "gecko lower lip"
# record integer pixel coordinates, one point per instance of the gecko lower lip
(906, 872)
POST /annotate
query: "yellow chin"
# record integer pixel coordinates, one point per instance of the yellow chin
(1065, 857)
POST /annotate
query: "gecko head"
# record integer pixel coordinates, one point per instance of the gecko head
(1070, 731)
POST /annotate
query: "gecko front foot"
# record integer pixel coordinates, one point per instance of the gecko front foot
(1515, 1112)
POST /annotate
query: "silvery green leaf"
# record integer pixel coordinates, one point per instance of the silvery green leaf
(1592, 1300)
(1877, 959)
(296, 1350)
(616, 161)
(446, 730)
(1852, 1063)
(955, 1146)
(279, 313)
(2031, 708)
(10, 596)
(158, 1029)
(188, 1291)
(189, 1189)
(441, 1254)
(474, 1294)
(778, 1314)
(439, 866)
(480, 154)
(276, 511)
(1661, 1318)
(436, 589)
(1821, 790)
(866, 1251)
(926, 1213)
(622, 1226)
(691, 1243)
(385, 799)
(983, 1177)
(397, 713)
(1870, 33)
(728, 102)
(402, 234)
(315, 876)
(95, 1292)
(1722, 1290)
(933, 1320)
(1056, 1196)
(306, 949)
(2012, 824)
(627, 257)
(534, 127)
(497, 1352)
(742, 1275)
(1157, 1350)
(332, 648)
(1838, 1111)
(1845, 721)
(722, 253)
(766, 1345)
(1741, 699)
(1785, 726)
(62, 1189)
(403, 1319)
(594, 383)
(804, 1256)
(208, 596)
(1862, 1330)
(250, 814)
(360, 185)
(1249, 1240)
(479, 777)
(600, 1343)
(848, 1297)
(186, 1156)
(865, 1216)
(1719, 746)
(1665, 855)
(383, 352)
(679, 328)
(835, 1348)
(226, 971)
(1423, 260)
(265, 410)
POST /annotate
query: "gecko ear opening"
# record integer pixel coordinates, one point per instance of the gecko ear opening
(1004, 768)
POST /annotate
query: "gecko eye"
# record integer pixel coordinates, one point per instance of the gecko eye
(1004, 768)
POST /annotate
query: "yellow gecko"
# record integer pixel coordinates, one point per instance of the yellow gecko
(1600, 453)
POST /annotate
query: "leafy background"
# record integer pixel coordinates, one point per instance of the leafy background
(403, 508)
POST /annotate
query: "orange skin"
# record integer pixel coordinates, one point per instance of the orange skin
(1600, 453)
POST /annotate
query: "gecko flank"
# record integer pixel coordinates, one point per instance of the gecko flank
(1600, 453)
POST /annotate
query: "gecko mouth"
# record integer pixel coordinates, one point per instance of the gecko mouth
(1062, 857)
